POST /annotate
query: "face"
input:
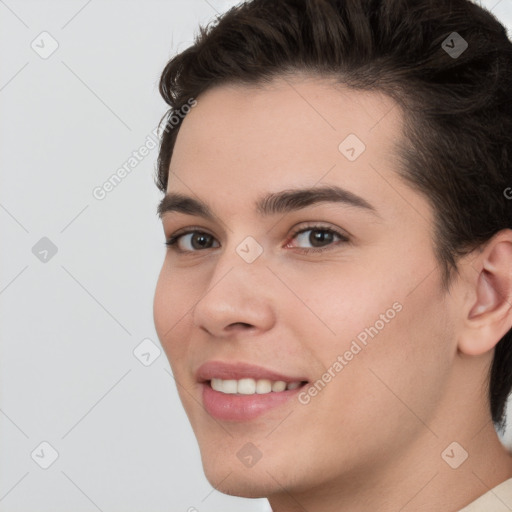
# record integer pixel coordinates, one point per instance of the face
(339, 295)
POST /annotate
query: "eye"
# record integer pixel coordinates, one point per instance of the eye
(192, 240)
(320, 237)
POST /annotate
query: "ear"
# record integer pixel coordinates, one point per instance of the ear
(488, 308)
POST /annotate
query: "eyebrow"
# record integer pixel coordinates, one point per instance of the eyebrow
(271, 204)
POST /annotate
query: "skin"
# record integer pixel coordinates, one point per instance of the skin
(372, 439)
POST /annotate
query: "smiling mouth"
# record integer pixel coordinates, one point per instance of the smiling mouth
(249, 386)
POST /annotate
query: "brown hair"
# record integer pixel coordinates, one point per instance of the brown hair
(457, 106)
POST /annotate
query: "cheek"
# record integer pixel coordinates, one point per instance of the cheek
(396, 345)
(171, 309)
(336, 303)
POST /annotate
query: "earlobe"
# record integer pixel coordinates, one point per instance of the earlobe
(490, 314)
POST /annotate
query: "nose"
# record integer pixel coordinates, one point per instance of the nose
(237, 297)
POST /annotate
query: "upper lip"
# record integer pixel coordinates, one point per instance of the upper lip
(240, 370)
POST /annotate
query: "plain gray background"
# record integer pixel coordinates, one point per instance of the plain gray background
(71, 373)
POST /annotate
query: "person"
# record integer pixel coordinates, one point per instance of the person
(335, 298)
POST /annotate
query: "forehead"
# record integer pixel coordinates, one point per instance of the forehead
(242, 141)
(275, 119)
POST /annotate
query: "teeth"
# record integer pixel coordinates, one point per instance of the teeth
(278, 385)
(247, 386)
(252, 386)
(263, 386)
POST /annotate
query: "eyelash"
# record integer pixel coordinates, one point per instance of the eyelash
(171, 242)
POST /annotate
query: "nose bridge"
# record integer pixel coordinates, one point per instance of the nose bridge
(236, 292)
(244, 250)
(242, 264)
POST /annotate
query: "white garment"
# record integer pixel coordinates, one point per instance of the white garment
(498, 499)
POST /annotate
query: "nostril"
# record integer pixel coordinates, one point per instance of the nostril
(243, 324)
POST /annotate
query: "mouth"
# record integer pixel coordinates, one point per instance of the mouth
(242, 392)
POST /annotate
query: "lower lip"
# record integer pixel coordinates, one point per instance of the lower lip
(231, 407)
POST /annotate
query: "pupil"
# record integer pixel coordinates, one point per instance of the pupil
(319, 236)
(202, 240)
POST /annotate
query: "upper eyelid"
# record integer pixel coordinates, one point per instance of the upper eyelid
(293, 232)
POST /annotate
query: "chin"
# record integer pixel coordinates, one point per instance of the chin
(244, 484)
(237, 480)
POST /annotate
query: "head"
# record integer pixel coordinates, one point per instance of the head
(406, 309)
